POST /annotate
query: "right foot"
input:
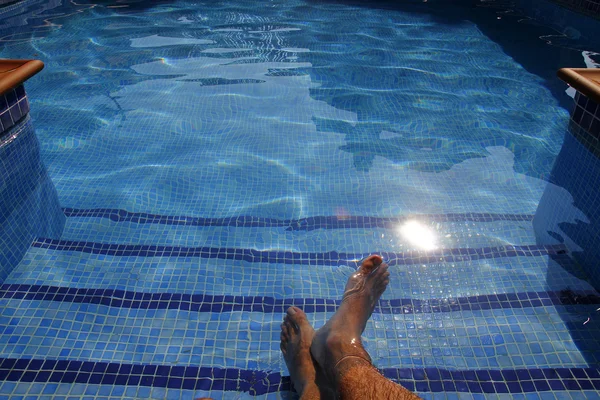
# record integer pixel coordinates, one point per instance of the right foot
(340, 336)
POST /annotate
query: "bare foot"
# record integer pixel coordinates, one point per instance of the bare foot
(340, 336)
(296, 337)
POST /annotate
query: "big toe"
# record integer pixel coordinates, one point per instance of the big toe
(296, 319)
(370, 264)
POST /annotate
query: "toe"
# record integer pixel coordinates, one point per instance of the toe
(370, 263)
(382, 273)
(297, 317)
(285, 330)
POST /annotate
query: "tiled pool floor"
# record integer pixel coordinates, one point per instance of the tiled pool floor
(166, 319)
(218, 163)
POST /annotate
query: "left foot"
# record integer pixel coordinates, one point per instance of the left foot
(296, 337)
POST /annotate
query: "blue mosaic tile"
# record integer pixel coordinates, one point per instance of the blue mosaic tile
(311, 223)
(260, 382)
(288, 257)
(577, 178)
(13, 107)
(28, 200)
(586, 115)
(459, 319)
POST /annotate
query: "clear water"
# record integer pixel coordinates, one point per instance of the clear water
(447, 114)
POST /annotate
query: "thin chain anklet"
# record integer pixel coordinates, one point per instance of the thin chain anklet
(335, 367)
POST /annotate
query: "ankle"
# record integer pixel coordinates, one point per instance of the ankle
(341, 344)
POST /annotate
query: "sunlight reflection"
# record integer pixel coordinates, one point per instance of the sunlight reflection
(418, 235)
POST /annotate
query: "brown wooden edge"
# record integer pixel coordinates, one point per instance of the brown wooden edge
(15, 72)
(584, 80)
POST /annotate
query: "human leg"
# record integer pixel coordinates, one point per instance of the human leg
(337, 347)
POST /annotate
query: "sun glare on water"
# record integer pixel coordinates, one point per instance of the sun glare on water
(418, 235)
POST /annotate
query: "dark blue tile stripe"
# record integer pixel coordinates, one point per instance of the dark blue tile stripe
(218, 303)
(165, 376)
(258, 382)
(319, 222)
(331, 258)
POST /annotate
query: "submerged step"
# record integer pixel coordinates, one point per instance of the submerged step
(316, 234)
(267, 304)
(548, 336)
(533, 272)
(300, 258)
(119, 380)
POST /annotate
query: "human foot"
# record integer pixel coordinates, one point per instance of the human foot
(339, 339)
(296, 337)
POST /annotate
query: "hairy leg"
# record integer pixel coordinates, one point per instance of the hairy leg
(359, 380)
(337, 347)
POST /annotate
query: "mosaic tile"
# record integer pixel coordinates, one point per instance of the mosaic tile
(553, 223)
(237, 277)
(447, 235)
(586, 115)
(211, 181)
(228, 303)
(256, 383)
(515, 338)
(311, 223)
(28, 200)
(289, 257)
(13, 107)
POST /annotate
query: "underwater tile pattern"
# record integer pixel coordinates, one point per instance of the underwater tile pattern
(577, 169)
(529, 337)
(195, 378)
(28, 201)
(239, 278)
(331, 258)
(309, 223)
(218, 165)
(353, 239)
(587, 115)
(228, 303)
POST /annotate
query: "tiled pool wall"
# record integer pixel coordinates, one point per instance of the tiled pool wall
(577, 169)
(29, 206)
(576, 19)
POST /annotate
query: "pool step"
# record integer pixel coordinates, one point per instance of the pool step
(474, 351)
(199, 304)
(509, 336)
(315, 234)
(489, 273)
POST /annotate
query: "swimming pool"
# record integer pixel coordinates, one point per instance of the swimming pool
(217, 162)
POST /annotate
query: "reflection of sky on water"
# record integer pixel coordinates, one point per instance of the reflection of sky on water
(251, 117)
(228, 133)
(159, 41)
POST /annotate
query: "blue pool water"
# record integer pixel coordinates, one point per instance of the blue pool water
(217, 162)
